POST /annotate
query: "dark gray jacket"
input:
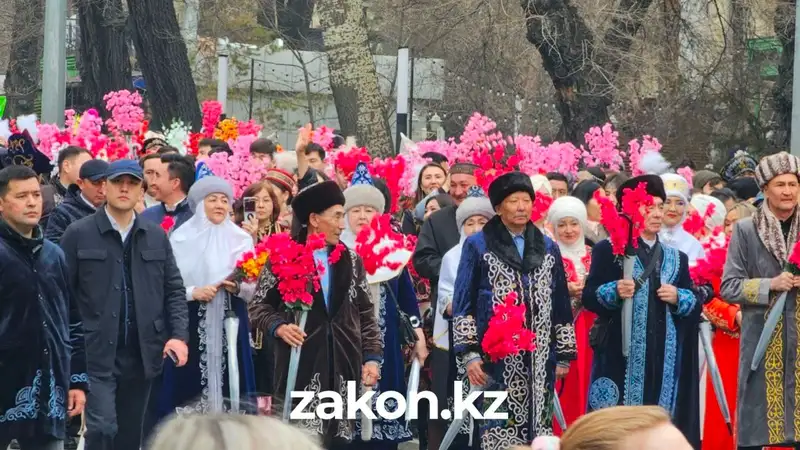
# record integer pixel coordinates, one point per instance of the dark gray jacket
(94, 253)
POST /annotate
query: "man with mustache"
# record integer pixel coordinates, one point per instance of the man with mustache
(754, 276)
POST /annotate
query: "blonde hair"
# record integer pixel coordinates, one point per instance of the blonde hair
(230, 432)
(744, 209)
(607, 428)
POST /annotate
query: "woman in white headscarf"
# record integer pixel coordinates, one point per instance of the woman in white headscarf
(675, 209)
(471, 216)
(207, 248)
(568, 218)
(393, 294)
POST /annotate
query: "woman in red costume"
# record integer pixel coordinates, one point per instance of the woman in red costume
(726, 319)
(567, 216)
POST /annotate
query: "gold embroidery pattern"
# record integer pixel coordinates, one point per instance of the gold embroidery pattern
(773, 377)
(750, 290)
(797, 376)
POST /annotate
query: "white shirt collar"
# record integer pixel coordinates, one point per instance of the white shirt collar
(123, 233)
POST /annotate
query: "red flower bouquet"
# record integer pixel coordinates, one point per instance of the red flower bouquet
(377, 242)
(294, 266)
(506, 334)
(249, 265)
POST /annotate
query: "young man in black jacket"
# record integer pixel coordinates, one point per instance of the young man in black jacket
(42, 357)
(83, 198)
(133, 303)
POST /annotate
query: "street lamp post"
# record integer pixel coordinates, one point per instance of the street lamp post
(795, 130)
(54, 74)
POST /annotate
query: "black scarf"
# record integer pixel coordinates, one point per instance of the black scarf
(28, 247)
(499, 241)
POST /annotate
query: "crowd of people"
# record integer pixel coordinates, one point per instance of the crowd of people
(121, 311)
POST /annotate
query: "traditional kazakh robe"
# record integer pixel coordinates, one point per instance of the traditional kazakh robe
(725, 343)
(771, 395)
(386, 432)
(662, 367)
(341, 337)
(574, 388)
(206, 254)
(490, 268)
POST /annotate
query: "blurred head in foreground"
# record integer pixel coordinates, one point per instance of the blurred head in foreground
(230, 432)
(619, 428)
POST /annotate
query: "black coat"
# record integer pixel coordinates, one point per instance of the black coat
(439, 234)
(42, 352)
(53, 194)
(71, 209)
(94, 255)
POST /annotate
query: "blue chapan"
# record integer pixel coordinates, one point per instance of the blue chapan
(662, 367)
(202, 170)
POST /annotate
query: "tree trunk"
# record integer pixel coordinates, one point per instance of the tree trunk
(360, 105)
(581, 69)
(782, 92)
(24, 64)
(161, 52)
(103, 60)
(291, 18)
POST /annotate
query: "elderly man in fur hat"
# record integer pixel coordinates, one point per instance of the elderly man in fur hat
(511, 256)
(662, 367)
(754, 276)
(341, 340)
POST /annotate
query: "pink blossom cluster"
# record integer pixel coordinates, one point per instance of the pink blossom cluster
(212, 111)
(323, 136)
(603, 146)
(636, 150)
(535, 158)
(238, 169)
(249, 128)
(480, 133)
(126, 114)
(687, 173)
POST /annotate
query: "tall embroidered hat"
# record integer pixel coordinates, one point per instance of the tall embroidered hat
(202, 170)
(362, 191)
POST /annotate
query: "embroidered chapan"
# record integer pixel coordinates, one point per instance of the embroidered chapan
(485, 277)
(769, 397)
(662, 368)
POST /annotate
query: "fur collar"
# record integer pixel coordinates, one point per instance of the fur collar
(498, 241)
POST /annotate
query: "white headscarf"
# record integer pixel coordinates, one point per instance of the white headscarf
(675, 236)
(206, 253)
(570, 207)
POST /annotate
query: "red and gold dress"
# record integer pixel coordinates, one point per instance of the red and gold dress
(725, 343)
(573, 390)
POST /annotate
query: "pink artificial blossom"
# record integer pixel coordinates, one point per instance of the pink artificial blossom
(603, 151)
(212, 111)
(637, 150)
(126, 114)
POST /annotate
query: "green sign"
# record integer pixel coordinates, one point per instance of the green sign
(2, 105)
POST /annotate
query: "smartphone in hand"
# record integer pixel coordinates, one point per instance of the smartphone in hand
(249, 206)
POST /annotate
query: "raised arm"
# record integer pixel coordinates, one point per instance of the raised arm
(427, 257)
